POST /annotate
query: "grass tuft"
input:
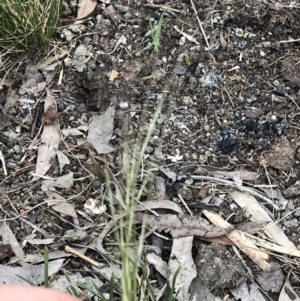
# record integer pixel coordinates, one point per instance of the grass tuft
(27, 25)
(156, 36)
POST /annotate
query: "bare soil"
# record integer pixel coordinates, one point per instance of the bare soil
(231, 103)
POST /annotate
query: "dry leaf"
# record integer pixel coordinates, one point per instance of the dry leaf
(258, 214)
(148, 205)
(51, 115)
(37, 258)
(271, 281)
(34, 273)
(287, 292)
(6, 82)
(49, 60)
(245, 292)
(71, 132)
(50, 141)
(85, 7)
(160, 265)
(62, 160)
(32, 78)
(100, 131)
(60, 205)
(93, 167)
(181, 257)
(242, 241)
(9, 238)
(65, 181)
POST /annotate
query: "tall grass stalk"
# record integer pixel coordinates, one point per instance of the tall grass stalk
(126, 234)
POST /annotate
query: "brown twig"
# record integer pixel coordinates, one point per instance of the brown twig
(80, 255)
(165, 7)
(14, 119)
(37, 113)
(239, 187)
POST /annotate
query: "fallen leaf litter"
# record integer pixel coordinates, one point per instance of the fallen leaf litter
(226, 141)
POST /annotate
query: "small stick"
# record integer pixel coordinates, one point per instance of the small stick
(239, 187)
(3, 163)
(185, 205)
(165, 7)
(73, 251)
(200, 24)
(34, 122)
(289, 41)
(14, 119)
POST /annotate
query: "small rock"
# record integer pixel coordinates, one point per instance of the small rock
(158, 75)
(128, 16)
(253, 112)
(266, 44)
(262, 53)
(228, 144)
(239, 32)
(296, 213)
(278, 92)
(292, 191)
(122, 8)
(206, 128)
(278, 128)
(180, 70)
(253, 79)
(186, 193)
(211, 80)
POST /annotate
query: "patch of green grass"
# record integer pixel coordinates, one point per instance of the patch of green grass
(27, 25)
(94, 289)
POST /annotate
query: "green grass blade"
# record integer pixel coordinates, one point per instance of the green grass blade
(94, 291)
(158, 32)
(26, 280)
(111, 288)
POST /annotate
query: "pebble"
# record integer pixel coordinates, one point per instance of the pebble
(228, 144)
(278, 128)
(253, 79)
(180, 70)
(122, 8)
(291, 191)
(262, 53)
(296, 213)
(239, 32)
(278, 92)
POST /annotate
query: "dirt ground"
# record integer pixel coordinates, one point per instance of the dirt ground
(229, 78)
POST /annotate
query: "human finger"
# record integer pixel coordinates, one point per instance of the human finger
(30, 293)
